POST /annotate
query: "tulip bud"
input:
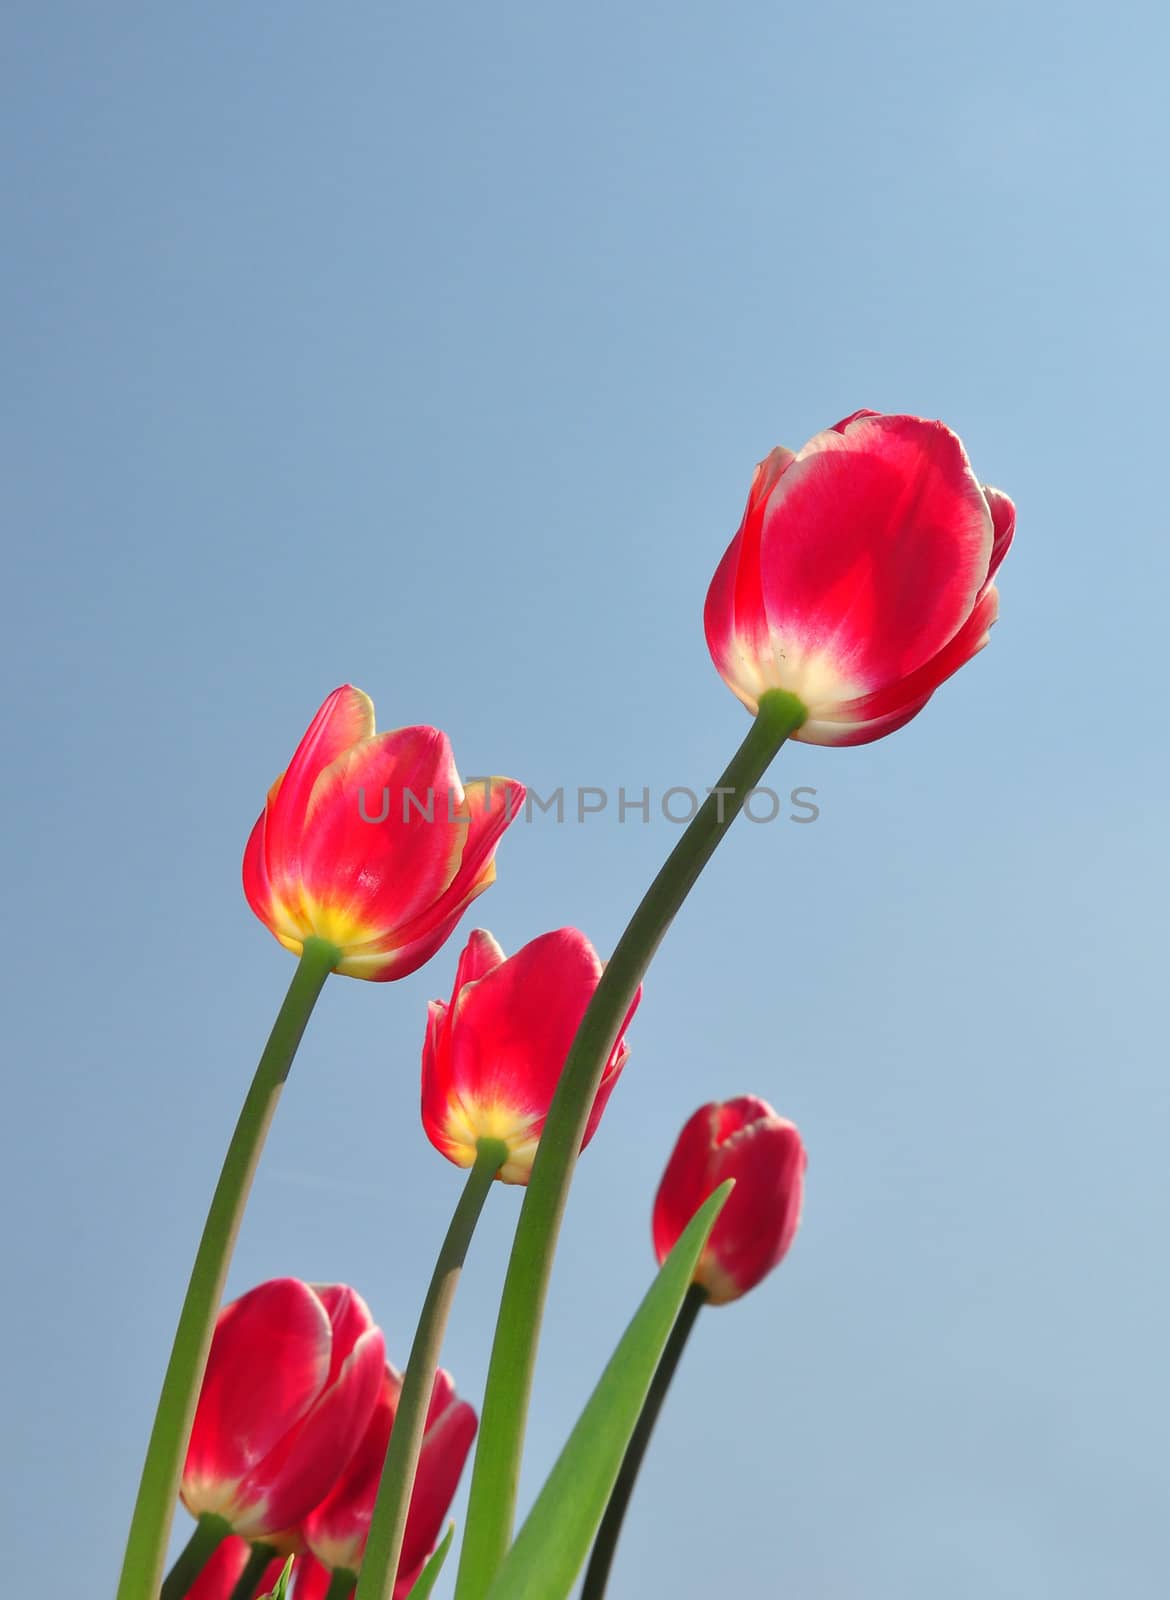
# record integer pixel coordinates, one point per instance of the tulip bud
(493, 1056)
(336, 1532)
(860, 578)
(291, 1382)
(742, 1139)
(370, 842)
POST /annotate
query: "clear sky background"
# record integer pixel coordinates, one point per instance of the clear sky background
(432, 348)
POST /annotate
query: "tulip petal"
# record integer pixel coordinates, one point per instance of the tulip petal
(874, 546)
(872, 716)
(349, 1317)
(488, 807)
(345, 719)
(268, 1363)
(380, 848)
(444, 1452)
(1003, 519)
(300, 1471)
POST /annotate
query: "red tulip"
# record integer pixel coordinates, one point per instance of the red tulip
(337, 1530)
(291, 1383)
(225, 1568)
(370, 842)
(742, 1139)
(860, 578)
(492, 1057)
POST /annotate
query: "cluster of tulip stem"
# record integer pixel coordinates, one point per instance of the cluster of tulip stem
(904, 597)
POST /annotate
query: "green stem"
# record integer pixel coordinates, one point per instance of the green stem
(253, 1570)
(604, 1546)
(210, 1532)
(505, 1409)
(384, 1545)
(249, 1580)
(150, 1527)
(340, 1584)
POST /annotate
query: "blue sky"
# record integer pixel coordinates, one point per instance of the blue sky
(432, 349)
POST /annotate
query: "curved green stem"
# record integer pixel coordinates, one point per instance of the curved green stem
(384, 1546)
(249, 1580)
(147, 1543)
(209, 1533)
(496, 1473)
(604, 1546)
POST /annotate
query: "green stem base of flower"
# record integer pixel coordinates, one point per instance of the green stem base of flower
(604, 1546)
(384, 1546)
(341, 1584)
(495, 1477)
(158, 1490)
(249, 1580)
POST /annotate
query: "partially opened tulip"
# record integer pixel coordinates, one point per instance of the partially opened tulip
(493, 1055)
(370, 843)
(742, 1139)
(291, 1383)
(336, 1532)
(861, 575)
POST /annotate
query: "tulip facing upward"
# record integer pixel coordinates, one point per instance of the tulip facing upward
(492, 1058)
(370, 842)
(336, 1532)
(860, 578)
(291, 1383)
(742, 1139)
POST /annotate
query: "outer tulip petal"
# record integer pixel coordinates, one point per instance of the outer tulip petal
(302, 1469)
(268, 1362)
(349, 1317)
(448, 1439)
(361, 876)
(345, 719)
(311, 1580)
(872, 716)
(910, 544)
(742, 1139)
(337, 1529)
(489, 806)
(1003, 518)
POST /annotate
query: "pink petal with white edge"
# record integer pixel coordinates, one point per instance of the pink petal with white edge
(298, 1474)
(489, 807)
(268, 1363)
(873, 716)
(365, 879)
(874, 546)
(345, 719)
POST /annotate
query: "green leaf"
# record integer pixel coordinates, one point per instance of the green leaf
(280, 1589)
(426, 1578)
(551, 1547)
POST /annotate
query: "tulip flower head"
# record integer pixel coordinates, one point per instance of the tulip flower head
(493, 1055)
(337, 1530)
(742, 1139)
(861, 575)
(370, 842)
(292, 1378)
